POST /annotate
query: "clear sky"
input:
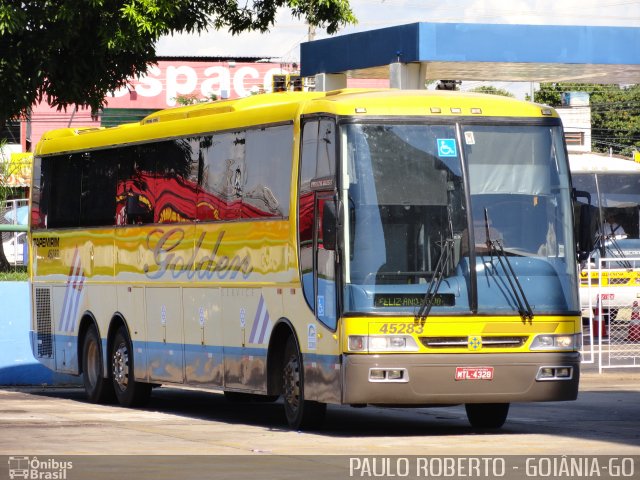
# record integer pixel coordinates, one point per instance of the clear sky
(285, 37)
(283, 42)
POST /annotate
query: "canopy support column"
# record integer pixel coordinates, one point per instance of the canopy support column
(408, 76)
(330, 81)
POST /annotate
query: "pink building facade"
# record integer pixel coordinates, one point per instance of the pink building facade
(169, 79)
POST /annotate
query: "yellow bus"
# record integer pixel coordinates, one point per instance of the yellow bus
(350, 247)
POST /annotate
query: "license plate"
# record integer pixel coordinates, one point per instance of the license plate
(474, 373)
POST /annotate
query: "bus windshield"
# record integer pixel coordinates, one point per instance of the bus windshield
(416, 199)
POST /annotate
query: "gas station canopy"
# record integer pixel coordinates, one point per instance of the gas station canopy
(410, 54)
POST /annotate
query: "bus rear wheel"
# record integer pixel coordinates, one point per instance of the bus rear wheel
(97, 388)
(487, 415)
(129, 392)
(301, 414)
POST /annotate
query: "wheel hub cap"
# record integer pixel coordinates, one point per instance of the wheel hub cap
(121, 367)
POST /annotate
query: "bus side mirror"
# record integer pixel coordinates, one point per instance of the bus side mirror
(581, 194)
(329, 225)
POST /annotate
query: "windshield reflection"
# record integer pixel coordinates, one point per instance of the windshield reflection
(406, 207)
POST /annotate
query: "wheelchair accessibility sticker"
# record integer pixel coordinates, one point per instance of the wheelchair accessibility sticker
(447, 147)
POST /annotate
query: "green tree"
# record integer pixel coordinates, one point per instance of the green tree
(551, 93)
(615, 113)
(70, 52)
(491, 90)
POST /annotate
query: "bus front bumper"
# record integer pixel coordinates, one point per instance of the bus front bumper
(446, 379)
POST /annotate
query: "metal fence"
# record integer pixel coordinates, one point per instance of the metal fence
(612, 336)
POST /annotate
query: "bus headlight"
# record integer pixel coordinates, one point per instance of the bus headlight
(556, 342)
(382, 343)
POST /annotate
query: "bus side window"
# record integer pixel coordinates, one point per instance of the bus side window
(221, 177)
(98, 189)
(137, 211)
(267, 172)
(64, 191)
(175, 179)
(136, 185)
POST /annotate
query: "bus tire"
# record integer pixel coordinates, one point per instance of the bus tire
(301, 414)
(487, 415)
(97, 388)
(129, 392)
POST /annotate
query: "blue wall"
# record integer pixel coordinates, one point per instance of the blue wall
(17, 364)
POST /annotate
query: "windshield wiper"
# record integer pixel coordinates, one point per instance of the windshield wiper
(436, 280)
(438, 274)
(524, 309)
(616, 251)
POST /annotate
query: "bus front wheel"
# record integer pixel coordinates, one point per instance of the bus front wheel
(129, 392)
(487, 415)
(98, 388)
(301, 414)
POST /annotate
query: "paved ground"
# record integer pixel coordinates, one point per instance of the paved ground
(45, 428)
(35, 421)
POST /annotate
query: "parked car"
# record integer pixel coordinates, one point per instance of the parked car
(14, 248)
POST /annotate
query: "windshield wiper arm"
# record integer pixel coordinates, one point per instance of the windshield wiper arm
(616, 251)
(438, 274)
(524, 309)
(436, 280)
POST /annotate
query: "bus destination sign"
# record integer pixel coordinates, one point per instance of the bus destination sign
(389, 300)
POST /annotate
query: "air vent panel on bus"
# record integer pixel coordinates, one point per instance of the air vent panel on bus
(44, 332)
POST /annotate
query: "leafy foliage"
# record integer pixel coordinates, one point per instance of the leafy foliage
(615, 113)
(71, 52)
(491, 90)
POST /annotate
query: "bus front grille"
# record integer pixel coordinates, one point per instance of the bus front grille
(463, 342)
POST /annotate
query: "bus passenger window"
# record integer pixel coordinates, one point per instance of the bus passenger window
(138, 210)
(176, 180)
(267, 172)
(98, 189)
(64, 191)
(221, 177)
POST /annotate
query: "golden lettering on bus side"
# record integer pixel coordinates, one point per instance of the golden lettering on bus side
(166, 260)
